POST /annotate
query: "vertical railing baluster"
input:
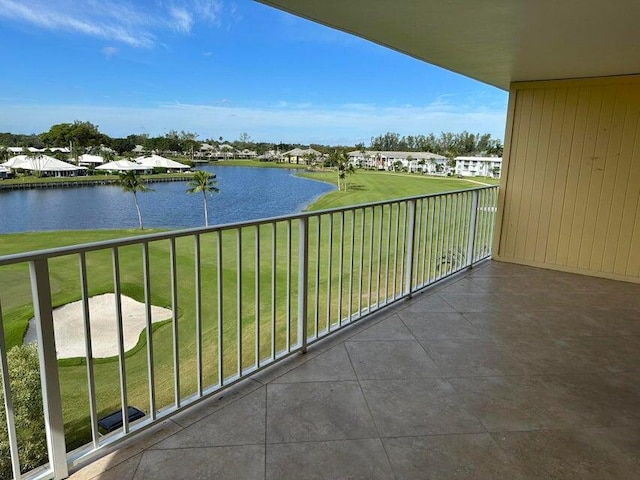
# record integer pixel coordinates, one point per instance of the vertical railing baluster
(370, 285)
(8, 404)
(457, 246)
(317, 285)
(220, 307)
(288, 313)
(257, 297)
(378, 269)
(303, 282)
(472, 227)
(479, 233)
(329, 272)
(425, 240)
(353, 243)
(484, 218)
(492, 218)
(174, 321)
(465, 229)
(458, 249)
(363, 212)
(146, 274)
(410, 231)
(464, 215)
(441, 230)
(452, 231)
(449, 203)
(198, 292)
(120, 335)
(274, 262)
(341, 268)
(395, 251)
(416, 245)
(239, 300)
(403, 250)
(91, 383)
(388, 256)
(433, 240)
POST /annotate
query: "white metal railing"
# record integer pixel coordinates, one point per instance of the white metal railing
(233, 290)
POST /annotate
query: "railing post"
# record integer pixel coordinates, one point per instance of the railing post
(303, 281)
(471, 237)
(411, 205)
(51, 398)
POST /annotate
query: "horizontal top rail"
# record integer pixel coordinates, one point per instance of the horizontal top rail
(152, 237)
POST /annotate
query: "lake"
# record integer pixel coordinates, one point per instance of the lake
(245, 194)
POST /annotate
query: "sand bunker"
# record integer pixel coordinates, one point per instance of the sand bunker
(68, 324)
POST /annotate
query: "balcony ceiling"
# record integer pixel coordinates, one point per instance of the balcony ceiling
(494, 41)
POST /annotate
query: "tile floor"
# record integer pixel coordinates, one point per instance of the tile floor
(506, 372)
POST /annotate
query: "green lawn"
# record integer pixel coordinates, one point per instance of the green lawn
(346, 293)
(370, 186)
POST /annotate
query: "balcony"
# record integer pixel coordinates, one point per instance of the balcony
(364, 342)
(502, 372)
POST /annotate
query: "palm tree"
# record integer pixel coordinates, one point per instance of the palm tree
(345, 167)
(130, 182)
(203, 182)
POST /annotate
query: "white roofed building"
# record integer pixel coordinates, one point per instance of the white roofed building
(156, 161)
(87, 160)
(123, 166)
(44, 165)
(478, 166)
(425, 162)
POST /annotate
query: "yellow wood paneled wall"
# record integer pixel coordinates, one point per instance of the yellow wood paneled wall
(570, 191)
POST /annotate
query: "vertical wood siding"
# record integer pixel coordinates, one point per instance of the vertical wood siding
(571, 177)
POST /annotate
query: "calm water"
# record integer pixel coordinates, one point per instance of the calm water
(245, 194)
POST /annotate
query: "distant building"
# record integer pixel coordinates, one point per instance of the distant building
(246, 153)
(86, 160)
(302, 156)
(20, 150)
(44, 166)
(425, 162)
(271, 156)
(478, 166)
(154, 162)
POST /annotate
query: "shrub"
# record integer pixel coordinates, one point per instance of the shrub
(26, 394)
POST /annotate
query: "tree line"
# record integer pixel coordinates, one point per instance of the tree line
(447, 144)
(85, 136)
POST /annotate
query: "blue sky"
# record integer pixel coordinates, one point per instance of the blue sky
(220, 68)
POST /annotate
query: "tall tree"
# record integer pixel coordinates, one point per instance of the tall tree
(84, 134)
(131, 182)
(203, 182)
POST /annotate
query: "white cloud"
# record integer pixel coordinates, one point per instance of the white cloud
(346, 124)
(210, 10)
(109, 52)
(181, 19)
(115, 20)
